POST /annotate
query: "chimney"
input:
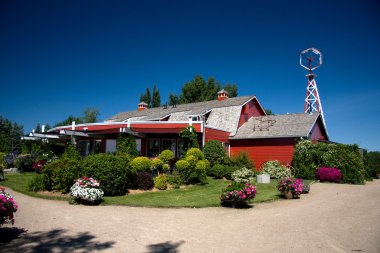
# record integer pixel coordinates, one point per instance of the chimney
(222, 95)
(142, 106)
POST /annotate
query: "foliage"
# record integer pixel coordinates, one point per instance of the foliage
(372, 163)
(173, 99)
(143, 180)
(196, 152)
(156, 98)
(192, 160)
(68, 121)
(237, 194)
(90, 115)
(7, 207)
(39, 166)
(166, 156)
(37, 184)
(161, 182)
(175, 179)
(86, 189)
(112, 172)
(332, 175)
(203, 165)
(71, 153)
(308, 157)
(166, 167)
(290, 185)
(140, 163)
(276, 170)
(214, 152)
(2, 161)
(243, 175)
(188, 138)
(24, 162)
(183, 168)
(268, 112)
(60, 174)
(10, 136)
(232, 90)
(126, 144)
(222, 171)
(240, 160)
(146, 97)
(156, 163)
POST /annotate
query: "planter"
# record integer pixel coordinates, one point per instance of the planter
(263, 178)
(288, 195)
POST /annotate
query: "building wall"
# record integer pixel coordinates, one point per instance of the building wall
(250, 109)
(214, 134)
(263, 150)
(317, 133)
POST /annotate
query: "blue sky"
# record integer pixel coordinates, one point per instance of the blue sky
(59, 57)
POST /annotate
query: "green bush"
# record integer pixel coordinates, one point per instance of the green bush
(188, 138)
(111, 171)
(24, 162)
(2, 161)
(71, 153)
(243, 175)
(161, 182)
(37, 183)
(126, 144)
(229, 170)
(166, 167)
(220, 171)
(276, 170)
(347, 158)
(214, 152)
(203, 165)
(241, 160)
(156, 163)
(192, 160)
(60, 174)
(175, 180)
(166, 156)
(195, 152)
(183, 168)
(141, 163)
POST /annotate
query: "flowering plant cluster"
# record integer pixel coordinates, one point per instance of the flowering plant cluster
(86, 189)
(290, 185)
(237, 194)
(329, 174)
(276, 170)
(243, 175)
(39, 165)
(7, 207)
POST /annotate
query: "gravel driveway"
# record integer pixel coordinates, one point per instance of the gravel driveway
(332, 218)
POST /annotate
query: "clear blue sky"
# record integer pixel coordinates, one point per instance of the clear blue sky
(59, 57)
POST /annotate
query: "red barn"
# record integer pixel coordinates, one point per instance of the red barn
(240, 123)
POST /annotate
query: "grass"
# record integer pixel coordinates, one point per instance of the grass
(190, 196)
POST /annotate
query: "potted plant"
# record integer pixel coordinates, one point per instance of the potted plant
(263, 178)
(290, 187)
(237, 194)
(86, 191)
(7, 207)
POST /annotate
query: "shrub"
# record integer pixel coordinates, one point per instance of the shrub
(203, 165)
(37, 183)
(24, 162)
(290, 185)
(2, 161)
(276, 170)
(188, 138)
(166, 167)
(140, 163)
(183, 168)
(241, 160)
(237, 194)
(214, 152)
(60, 174)
(175, 180)
(85, 190)
(126, 144)
(143, 180)
(217, 171)
(7, 207)
(166, 156)
(161, 182)
(243, 175)
(308, 157)
(196, 152)
(112, 172)
(71, 153)
(156, 163)
(192, 160)
(39, 165)
(332, 175)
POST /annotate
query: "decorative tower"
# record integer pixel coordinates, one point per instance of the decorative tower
(311, 59)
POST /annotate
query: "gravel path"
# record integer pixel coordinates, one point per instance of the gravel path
(332, 218)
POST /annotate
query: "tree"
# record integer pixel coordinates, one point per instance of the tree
(372, 163)
(269, 112)
(214, 152)
(10, 136)
(126, 144)
(90, 115)
(146, 97)
(188, 138)
(38, 128)
(232, 90)
(68, 121)
(173, 99)
(156, 98)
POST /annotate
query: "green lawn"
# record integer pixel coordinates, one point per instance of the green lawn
(191, 196)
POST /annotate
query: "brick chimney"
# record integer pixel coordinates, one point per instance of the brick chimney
(142, 106)
(222, 95)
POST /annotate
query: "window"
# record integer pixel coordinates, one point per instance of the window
(153, 147)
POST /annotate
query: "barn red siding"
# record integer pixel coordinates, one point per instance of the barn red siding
(163, 128)
(317, 132)
(250, 109)
(263, 150)
(213, 134)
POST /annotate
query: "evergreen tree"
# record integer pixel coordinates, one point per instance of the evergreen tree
(10, 136)
(68, 121)
(90, 115)
(156, 98)
(231, 89)
(173, 99)
(38, 128)
(269, 112)
(193, 91)
(47, 127)
(146, 97)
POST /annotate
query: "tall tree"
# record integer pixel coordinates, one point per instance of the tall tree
(269, 112)
(212, 88)
(173, 99)
(10, 136)
(232, 90)
(68, 121)
(90, 115)
(146, 97)
(156, 98)
(38, 128)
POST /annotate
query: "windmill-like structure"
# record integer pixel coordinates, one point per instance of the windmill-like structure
(311, 59)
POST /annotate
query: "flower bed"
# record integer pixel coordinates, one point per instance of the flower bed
(237, 194)
(7, 207)
(332, 175)
(85, 191)
(290, 185)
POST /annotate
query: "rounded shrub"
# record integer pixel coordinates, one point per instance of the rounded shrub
(111, 171)
(161, 182)
(214, 152)
(242, 160)
(202, 165)
(217, 171)
(156, 163)
(166, 156)
(192, 160)
(143, 180)
(175, 179)
(60, 174)
(243, 175)
(141, 163)
(166, 167)
(183, 168)
(37, 183)
(326, 174)
(276, 170)
(196, 152)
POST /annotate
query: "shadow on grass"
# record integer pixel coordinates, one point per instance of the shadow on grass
(165, 247)
(18, 240)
